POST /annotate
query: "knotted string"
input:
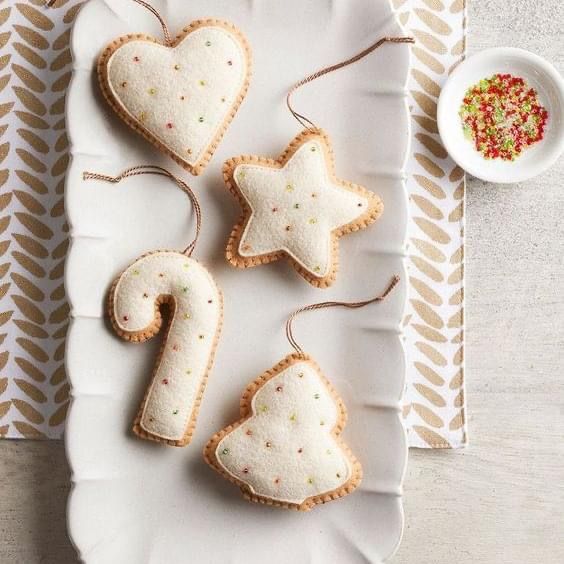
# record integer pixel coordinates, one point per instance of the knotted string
(159, 171)
(154, 11)
(322, 305)
(306, 122)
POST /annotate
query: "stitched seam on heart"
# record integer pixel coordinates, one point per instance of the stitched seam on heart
(219, 122)
(137, 126)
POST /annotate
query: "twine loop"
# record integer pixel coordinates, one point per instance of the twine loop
(155, 12)
(351, 305)
(306, 122)
(159, 171)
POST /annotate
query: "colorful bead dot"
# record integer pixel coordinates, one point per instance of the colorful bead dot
(268, 444)
(223, 99)
(135, 273)
(202, 82)
(230, 63)
(161, 275)
(186, 316)
(183, 97)
(289, 188)
(338, 475)
(175, 348)
(126, 317)
(310, 480)
(201, 119)
(177, 67)
(210, 301)
(175, 412)
(201, 337)
(300, 450)
(293, 417)
(169, 125)
(317, 269)
(245, 470)
(312, 221)
(225, 451)
(313, 149)
(184, 289)
(328, 451)
(359, 205)
(124, 84)
(288, 228)
(264, 408)
(152, 91)
(165, 381)
(314, 195)
(279, 388)
(322, 423)
(276, 481)
(189, 151)
(248, 432)
(300, 374)
(316, 396)
(188, 372)
(151, 419)
(142, 116)
(296, 206)
(208, 43)
(145, 295)
(136, 59)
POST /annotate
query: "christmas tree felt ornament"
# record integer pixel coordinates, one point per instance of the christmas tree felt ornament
(286, 449)
(182, 94)
(170, 406)
(296, 207)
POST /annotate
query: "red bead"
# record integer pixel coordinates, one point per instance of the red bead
(169, 125)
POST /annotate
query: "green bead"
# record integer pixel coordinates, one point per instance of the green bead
(225, 451)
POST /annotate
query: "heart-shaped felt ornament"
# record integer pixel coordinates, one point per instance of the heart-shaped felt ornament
(180, 95)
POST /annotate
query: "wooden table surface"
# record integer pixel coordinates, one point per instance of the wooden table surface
(501, 501)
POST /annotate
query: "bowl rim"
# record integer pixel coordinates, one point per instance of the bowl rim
(546, 68)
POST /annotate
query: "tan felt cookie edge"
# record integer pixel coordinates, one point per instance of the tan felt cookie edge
(374, 211)
(147, 333)
(102, 71)
(246, 413)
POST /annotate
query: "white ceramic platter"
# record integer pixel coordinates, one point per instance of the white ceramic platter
(138, 502)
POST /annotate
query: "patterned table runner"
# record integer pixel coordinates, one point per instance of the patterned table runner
(35, 65)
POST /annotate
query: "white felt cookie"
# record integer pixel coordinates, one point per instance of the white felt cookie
(286, 450)
(295, 207)
(182, 96)
(170, 407)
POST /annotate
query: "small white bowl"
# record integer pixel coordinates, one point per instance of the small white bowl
(540, 75)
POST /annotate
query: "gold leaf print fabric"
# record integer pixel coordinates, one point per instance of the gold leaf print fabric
(434, 407)
(35, 69)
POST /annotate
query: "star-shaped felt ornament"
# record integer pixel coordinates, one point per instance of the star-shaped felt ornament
(295, 207)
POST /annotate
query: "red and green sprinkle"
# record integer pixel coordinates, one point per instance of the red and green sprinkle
(502, 115)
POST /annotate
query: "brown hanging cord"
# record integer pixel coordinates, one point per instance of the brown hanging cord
(159, 171)
(166, 33)
(322, 305)
(306, 122)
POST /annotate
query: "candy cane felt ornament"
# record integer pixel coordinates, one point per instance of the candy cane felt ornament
(295, 207)
(180, 94)
(170, 406)
(286, 449)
